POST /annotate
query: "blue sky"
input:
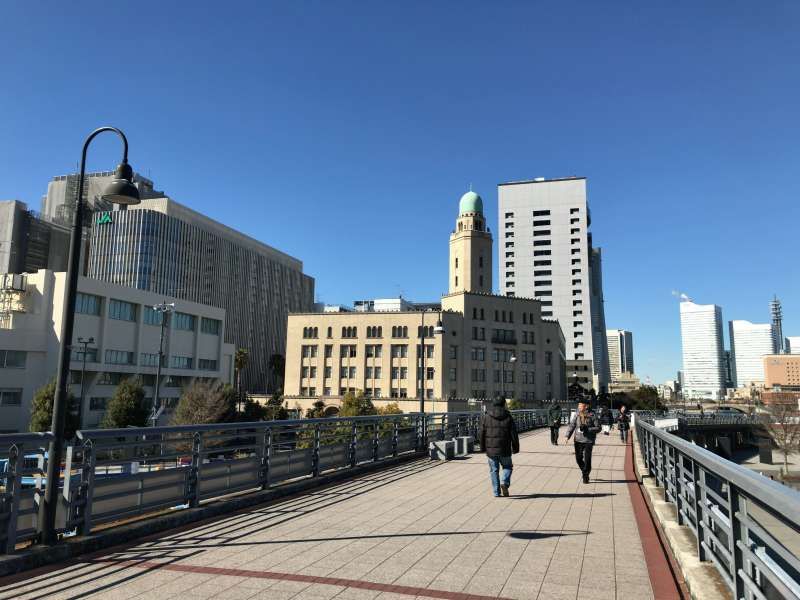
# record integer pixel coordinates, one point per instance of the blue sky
(344, 133)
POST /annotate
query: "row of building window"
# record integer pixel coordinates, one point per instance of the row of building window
(146, 359)
(120, 310)
(13, 359)
(370, 351)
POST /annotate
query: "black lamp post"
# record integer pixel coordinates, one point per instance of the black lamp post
(84, 351)
(164, 309)
(439, 329)
(120, 191)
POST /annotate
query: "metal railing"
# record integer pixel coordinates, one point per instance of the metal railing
(110, 475)
(746, 524)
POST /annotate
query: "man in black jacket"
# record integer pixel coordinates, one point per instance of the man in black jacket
(585, 425)
(554, 419)
(499, 439)
(624, 423)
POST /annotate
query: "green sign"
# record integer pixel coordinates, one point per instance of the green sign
(103, 218)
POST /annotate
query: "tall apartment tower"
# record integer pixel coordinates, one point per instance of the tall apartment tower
(703, 351)
(775, 310)
(470, 248)
(545, 252)
(750, 343)
(620, 352)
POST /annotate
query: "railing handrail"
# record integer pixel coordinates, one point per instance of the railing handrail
(781, 498)
(15, 438)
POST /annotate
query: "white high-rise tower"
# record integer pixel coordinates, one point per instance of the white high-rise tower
(750, 342)
(703, 350)
(620, 352)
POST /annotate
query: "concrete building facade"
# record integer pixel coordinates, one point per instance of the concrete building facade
(620, 352)
(750, 343)
(125, 332)
(28, 242)
(168, 249)
(545, 251)
(380, 353)
(703, 355)
(781, 371)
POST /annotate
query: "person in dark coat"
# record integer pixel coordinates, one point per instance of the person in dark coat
(554, 420)
(606, 420)
(584, 425)
(499, 439)
(623, 423)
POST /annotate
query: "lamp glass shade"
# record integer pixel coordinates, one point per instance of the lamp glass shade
(121, 191)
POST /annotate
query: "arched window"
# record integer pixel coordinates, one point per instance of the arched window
(355, 332)
(330, 332)
(405, 332)
(344, 332)
(316, 332)
(305, 332)
(394, 330)
(380, 331)
(460, 227)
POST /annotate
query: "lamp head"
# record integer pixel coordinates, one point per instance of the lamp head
(121, 189)
(439, 328)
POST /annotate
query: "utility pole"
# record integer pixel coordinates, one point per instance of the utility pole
(163, 309)
(84, 351)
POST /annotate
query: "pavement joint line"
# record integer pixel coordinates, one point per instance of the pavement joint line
(311, 579)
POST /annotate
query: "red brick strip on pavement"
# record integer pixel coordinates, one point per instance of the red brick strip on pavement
(665, 577)
(350, 583)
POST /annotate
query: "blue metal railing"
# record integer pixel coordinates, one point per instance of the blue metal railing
(746, 524)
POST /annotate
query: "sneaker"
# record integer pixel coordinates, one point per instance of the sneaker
(504, 490)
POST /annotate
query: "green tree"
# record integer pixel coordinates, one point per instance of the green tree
(126, 407)
(240, 360)
(317, 410)
(356, 405)
(514, 404)
(42, 411)
(274, 409)
(390, 409)
(277, 366)
(204, 403)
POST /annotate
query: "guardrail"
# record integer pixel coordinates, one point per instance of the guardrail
(111, 475)
(746, 524)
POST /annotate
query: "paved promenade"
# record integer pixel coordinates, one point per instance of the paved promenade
(419, 530)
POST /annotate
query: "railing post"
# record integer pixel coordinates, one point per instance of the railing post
(698, 475)
(193, 479)
(315, 452)
(266, 457)
(87, 486)
(13, 490)
(443, 427)
(375, 440)
(395, 434)
(354, 444)
(738, 533)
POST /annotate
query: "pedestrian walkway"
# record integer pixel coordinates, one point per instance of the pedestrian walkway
(418, 530)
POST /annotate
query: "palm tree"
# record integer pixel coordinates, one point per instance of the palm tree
(240, 360)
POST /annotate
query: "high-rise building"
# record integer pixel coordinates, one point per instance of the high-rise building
(777, 325)
(545, 251)
(164, 247)
(792, 344)
(58, 204)
(750, 343)
(620, 352)
(703, 353)
(28, 242)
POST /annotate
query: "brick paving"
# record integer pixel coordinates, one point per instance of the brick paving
(418, 530)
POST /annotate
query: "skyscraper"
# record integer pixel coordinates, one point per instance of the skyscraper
(620, 352)
(545, 251)
(703, 352)
(164, 247)
(750, 343)
(792, 344)
(777, 326)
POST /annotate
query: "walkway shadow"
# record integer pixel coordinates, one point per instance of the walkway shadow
(538, 535)
(546, 495)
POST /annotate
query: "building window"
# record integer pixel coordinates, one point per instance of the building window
(480, 258)
(120, 357)
(399, 350)
(121, 311)
(542, 273)
(541, 223)
(509, 215)
(509, 244)
(456, 262)
(452, 374)
(152, 316)
(330, 333)
(374, 350)
(541, 213)
(75, 355)
(453, 352)
(541, 252)
(213, 326)
(548, 358)
(573, 211)
(347, 351)
(10, 396)
(540, 232)
(542, 263)
(98, 403)
(207, 364)
(352, 373)
(542, 283)
(328, 372)
(15, 359)
(308, 351)
(109, 378)
(148, 360)
(87, 304)
(328, 350)
(182, 321)
(181, 362)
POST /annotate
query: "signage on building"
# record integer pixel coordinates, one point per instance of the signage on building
(103, 218)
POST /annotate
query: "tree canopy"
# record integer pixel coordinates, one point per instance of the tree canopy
(356, 405)
(126, 407)
(205, 403)
(42, 411)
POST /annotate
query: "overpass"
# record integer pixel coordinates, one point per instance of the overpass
(352, 508)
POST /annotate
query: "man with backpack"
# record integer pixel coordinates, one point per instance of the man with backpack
(499, 440)
(584, 425)
(554, 419)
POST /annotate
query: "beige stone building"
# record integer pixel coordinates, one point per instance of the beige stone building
(782, 371)
(473, 344)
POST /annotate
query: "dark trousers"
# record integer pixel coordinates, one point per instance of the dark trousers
(554, 433)
(623, 434)
(583, 456)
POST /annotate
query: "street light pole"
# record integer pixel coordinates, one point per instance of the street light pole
(85, 344)
(120, 191)
(437, 330)
(164, 309)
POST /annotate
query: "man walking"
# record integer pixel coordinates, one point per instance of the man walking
(554, 418)
(584, 425)
(499, 439)
(624, 423)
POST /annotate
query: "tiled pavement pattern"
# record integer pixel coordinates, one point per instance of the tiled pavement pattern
(433, 528)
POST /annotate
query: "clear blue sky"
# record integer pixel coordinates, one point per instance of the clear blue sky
(344, 133)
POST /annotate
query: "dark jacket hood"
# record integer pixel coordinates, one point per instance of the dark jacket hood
(498, 412)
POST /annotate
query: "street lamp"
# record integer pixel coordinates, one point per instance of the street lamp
(120, 191)
(164, 309)
(437, 330)
(85, 344)
(512, 360)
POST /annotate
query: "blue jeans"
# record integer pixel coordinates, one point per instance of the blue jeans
(494, 472)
